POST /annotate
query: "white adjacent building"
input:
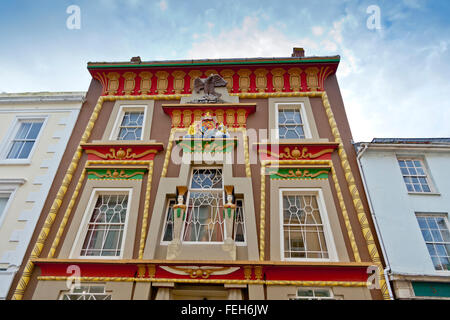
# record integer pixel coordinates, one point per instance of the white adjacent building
(408, 187)
(34, 131)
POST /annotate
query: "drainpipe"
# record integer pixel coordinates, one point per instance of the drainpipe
(374, 218)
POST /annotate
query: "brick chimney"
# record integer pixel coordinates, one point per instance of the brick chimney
(298, 52)
(136, 59)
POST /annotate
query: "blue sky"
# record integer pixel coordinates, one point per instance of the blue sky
(394, 80)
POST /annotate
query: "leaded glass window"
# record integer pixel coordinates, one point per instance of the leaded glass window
(414, 175)
(131, 126)
(435, 232)
(106, 226)
(204, 218)
(24, 140)
(239, 222)
(303, 228)
(290, 123)
(87, 292)
(168, 228)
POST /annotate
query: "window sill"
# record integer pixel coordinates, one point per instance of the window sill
(14, 162)
(424, 193)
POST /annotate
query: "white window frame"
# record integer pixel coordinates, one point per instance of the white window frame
(301, 107)
(433, 190)
(328, 234)
(123, 109)
(70, 291)
(432, 214)
(9, 187)
(75, 252)
(14, 128)
(187, 206)
(331, 297)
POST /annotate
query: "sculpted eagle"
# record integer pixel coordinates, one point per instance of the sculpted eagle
(208, 85)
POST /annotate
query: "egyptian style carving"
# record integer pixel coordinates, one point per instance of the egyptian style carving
(278, 79)
(197, 115)
(163, 82)
(187, 118)
(261, 79)
(241, 119)
(244, 79)
(311, 78)
(176, 118)
(227, 75)
(230, 117)
(178, 81)
(146, 82)
(219, 115)
(194, 74)
(295, 79)
(113, 83)
(208, 85)
(129, 83)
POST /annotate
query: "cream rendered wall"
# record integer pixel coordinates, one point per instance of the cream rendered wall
(34, 178)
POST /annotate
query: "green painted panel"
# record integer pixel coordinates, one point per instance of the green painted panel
(207, 145)
(297, 173)
(431, 289)
(116, 174)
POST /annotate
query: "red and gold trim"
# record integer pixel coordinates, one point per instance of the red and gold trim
(295, 151)
(122, 151)
(209, 270)
(231, 115)
(286, 77)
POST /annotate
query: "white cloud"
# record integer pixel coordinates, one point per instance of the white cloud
(385, 91)
(317, 31)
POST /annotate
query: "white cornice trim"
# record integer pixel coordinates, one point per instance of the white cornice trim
(394, 147)
(19, 181)
(48, 98)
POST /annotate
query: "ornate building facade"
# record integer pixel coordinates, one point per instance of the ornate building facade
(208, 179)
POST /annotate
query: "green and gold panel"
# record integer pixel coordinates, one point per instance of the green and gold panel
(115, 174)
(297, 173)
(207, 145)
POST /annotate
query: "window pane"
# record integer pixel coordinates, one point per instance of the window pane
(34, 131)
(3, 202)
(25, 152)
(15, 150)
(23, 130)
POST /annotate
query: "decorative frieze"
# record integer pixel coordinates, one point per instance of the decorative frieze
(178, 81)
(163, 82)
(296, 151)
(146, 82)
(297, 173)
(278, 79)
(129, 83)
(295, 81)
(115, 174)
(245, 80)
